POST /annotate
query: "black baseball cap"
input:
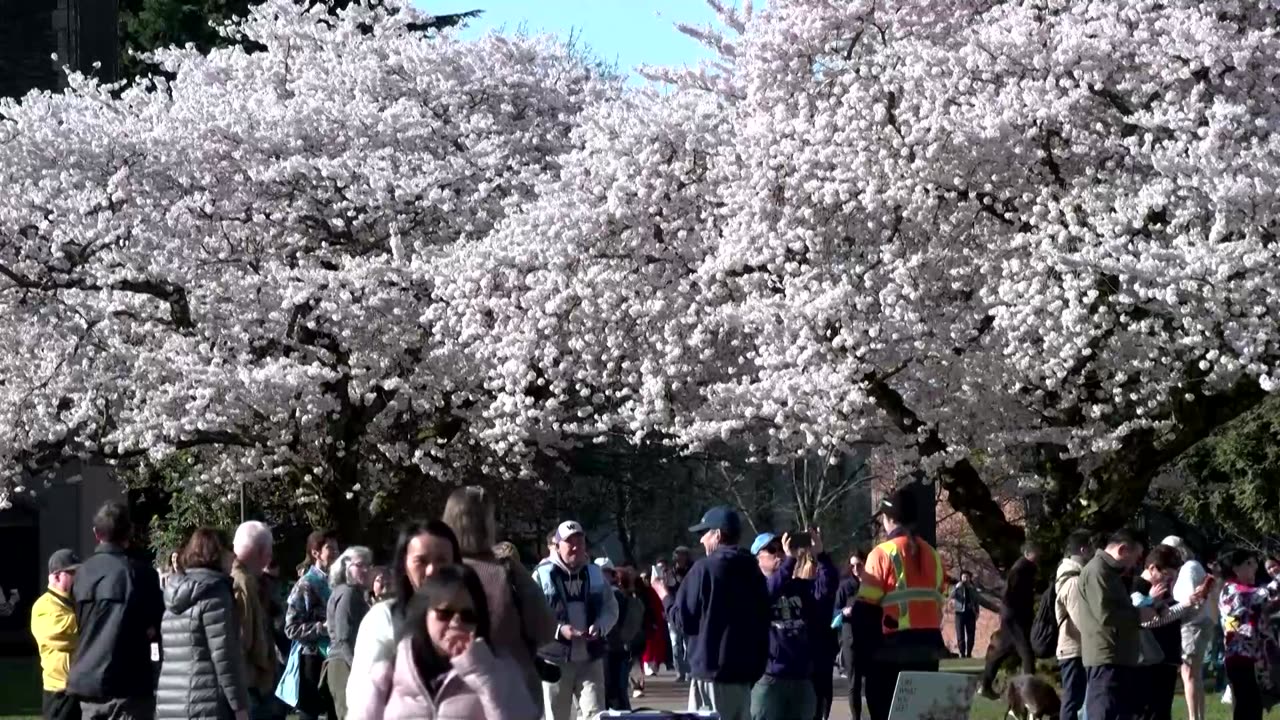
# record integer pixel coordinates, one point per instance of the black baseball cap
(722, 518)
(63, 560)
(899, 507)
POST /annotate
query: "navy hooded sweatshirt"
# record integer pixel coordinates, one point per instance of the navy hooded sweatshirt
(724, 609)
(800, 619)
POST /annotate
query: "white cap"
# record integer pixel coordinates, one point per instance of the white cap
(604, 563)
(568, 529)
(1178, 544)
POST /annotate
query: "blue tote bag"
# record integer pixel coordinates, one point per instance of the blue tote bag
(287, 688)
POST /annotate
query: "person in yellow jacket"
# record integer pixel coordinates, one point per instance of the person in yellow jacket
(898, 612)
(53, 623)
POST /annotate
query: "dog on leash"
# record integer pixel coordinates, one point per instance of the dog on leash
(1031, 698)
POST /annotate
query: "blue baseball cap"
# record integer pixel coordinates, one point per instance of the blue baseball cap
(722, 518)
(762, 541)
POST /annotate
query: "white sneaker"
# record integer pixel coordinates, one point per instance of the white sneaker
(650, 672)
(637, 693)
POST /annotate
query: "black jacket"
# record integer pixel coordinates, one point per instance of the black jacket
(723, 606)
(1019, 597)
(118, 610)
(846, 595)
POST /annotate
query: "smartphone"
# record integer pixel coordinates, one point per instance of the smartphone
(801, 540)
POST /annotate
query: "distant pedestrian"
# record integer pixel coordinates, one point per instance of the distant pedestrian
(348, 604)
(655, 641)
(846, 596)
(379, 586)
(787, 690)
(618, 642)
(305, 625)
(118, 610)
(815, 567)
(1109, 630)
(964, 602)
(673, 578)
(252, 545)
(724, 610)
(1158, 676)
(203, 675)
(1017, 610)
(1079, 550)
(585, 610)
(520, 619)
(53, 624)
(1197, 630)
(1245, 607)
(899, 608)
(422, 549)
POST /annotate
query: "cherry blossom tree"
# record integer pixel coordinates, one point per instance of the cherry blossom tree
(986, 238)
(991, 236)
(243, 262)
(1037, 231)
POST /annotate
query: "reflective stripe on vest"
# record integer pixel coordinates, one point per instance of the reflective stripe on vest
(902, 594)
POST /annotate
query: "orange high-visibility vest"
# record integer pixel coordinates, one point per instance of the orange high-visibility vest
(908, 589)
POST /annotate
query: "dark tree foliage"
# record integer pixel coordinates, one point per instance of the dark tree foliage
(1231, 480)
(146, 25)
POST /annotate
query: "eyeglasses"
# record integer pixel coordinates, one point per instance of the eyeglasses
(466, 616)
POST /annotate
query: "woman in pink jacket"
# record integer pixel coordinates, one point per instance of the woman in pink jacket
(444, 668)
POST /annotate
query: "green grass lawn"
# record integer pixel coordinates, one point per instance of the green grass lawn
(984, 709)
(19, 688)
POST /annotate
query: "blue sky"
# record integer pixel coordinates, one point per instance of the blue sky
(630, 32)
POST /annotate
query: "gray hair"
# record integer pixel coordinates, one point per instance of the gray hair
(338, 574)
(250, 536)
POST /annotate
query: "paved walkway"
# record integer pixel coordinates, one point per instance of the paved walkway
(663, 693)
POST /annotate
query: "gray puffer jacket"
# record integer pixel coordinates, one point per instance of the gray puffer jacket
(203, 672)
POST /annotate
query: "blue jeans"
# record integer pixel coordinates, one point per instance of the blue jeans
(617, 680)
(777, 699)
(680, 653)
(1074, 684)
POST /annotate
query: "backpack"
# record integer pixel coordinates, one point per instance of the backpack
(1044, 629)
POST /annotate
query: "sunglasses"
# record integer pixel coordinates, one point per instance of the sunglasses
(466, 616)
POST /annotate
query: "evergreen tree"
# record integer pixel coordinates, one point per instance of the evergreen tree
(1232, 479)
(146, 25)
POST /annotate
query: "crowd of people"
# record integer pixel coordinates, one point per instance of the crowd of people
(1127, 620)
(454, 627)
(457, 627)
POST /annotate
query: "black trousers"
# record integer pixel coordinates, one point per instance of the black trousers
(1075, 682)
(1246, 696)
(1013, 639)
(59, 706)
(824, 687)
(966, 628)
(617, 680)
(1110, 695)
(855, 693)
(882, 680)
(314, 699)
(1158, 683)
